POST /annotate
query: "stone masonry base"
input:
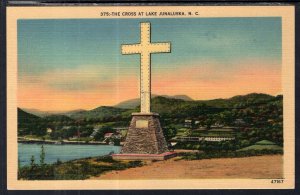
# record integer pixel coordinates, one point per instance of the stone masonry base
(145, 135)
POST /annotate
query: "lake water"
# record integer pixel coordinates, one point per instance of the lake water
(62, 152)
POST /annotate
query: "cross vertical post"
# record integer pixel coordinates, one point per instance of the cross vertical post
(145, 48)
(145, 138)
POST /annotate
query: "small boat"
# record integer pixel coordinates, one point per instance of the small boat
(111, 143)
(58, 143)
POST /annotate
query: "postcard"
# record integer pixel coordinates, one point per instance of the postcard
(150, 97)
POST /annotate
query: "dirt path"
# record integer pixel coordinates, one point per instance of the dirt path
(270, 166)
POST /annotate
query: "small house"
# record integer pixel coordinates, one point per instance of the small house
(49, 130)
(188, 123)
(108, 135)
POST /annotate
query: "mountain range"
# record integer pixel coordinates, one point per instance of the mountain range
(170, 105)
(133, 103)
(41, 113)
(127, 104)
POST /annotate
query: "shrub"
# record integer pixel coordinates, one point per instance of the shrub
(73, 170)
(107, 158)
(136, 163)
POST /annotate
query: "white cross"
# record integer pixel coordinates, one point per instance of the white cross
(145, 48)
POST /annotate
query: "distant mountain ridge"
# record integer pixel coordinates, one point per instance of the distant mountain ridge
(100, 112)
(164, 104)
(133, 103)
(239, 100)
(41, 113)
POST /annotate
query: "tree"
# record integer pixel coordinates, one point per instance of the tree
(86, 131)
(245, 143)
(32, 162)
(33, 168)
(208, 122)
(42, 156)
(169, 132)
(101, 132)
(70, 132)
(226, 117)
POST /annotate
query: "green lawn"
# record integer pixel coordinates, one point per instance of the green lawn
(181, 132)
(262, 147)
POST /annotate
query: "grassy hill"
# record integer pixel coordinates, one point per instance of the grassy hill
(263, 145)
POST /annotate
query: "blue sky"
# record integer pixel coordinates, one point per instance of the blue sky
(50, 46)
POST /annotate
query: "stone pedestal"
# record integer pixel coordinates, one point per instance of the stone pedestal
(145, 139)
(145, 135)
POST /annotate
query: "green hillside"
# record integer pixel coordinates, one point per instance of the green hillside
(58, 118)
(133, 103)
(26, 117)
(261, 116)
(129, 104)
(240, 100)
(99, 113)
(265, 142)
(263, 145)
(30, 124)
(178, 108)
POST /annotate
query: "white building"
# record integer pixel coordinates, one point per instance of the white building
(217, 139)
(49, 130)
(209, 139)
(188, 123)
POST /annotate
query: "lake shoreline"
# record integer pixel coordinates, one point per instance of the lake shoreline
(58, 142)
(62, 152)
